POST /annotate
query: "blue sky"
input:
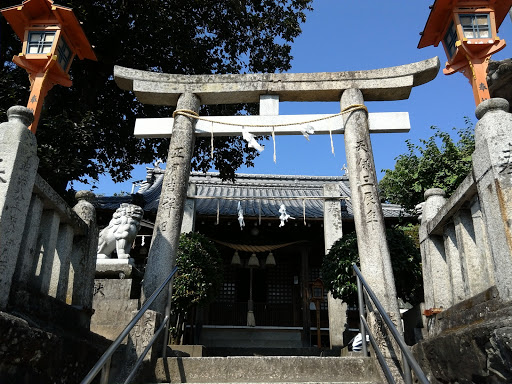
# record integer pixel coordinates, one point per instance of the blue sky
(342, 35)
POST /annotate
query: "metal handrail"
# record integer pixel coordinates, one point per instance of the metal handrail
(103, 363)
(408, 359)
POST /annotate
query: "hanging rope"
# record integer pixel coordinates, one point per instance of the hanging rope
(211, 141)
(274, 140)
(256, 248)
(267, 197)
(259, 212)
(252, 142)
(185, 112)
(194, 115)
(304, 210)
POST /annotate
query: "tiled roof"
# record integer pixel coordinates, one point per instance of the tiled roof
(270, 191)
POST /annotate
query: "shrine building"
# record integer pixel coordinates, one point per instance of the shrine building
(289, 255)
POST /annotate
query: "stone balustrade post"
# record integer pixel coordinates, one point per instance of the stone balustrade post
(61, 263)
(460, 288)
(28, 250)
(492, 171)
(83, 257)
(50, 222)
(436, 273)
(18, 169)
(473, 261)
(482, 241)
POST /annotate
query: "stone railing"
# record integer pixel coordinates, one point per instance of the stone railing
(47, 249)
(466, 241)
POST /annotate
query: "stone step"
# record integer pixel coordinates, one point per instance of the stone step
(311, 351)
(266, 369)
(311, 382)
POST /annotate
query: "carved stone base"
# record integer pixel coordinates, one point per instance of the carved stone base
(114, 268)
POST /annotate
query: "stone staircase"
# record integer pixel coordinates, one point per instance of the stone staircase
(267, 369)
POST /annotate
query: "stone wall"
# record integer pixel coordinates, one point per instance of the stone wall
(466, 246)
(47, 262)
(30, 354)
(474, 344)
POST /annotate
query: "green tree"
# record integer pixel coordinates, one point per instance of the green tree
(337, 272)
(197, 281)
(437, 162)
(87, 130)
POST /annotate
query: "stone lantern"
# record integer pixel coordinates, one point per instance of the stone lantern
(468, 30)
(52, 37)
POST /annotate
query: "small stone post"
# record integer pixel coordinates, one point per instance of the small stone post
(18, 169)
(436, 271)
(368, 217)
(333, 231)
(83, 259)
(166, 233)
(492, 170)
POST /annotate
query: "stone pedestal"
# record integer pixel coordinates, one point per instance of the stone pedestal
(18, 169)
(113, 307)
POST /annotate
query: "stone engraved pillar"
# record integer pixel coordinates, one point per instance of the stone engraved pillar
(492, 170)
(166, 233)
(436, 273)
(333, 231)
(18, 169)
(368, 218)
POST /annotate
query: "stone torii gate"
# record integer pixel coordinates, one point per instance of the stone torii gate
(188, 92)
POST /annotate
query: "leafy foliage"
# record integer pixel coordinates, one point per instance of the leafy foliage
(198, 279)
(437, 162)
(87, 130)
(337, 272)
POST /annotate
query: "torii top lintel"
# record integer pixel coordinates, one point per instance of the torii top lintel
(393, 83)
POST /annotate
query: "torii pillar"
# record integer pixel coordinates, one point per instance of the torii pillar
(167, 229)
(185, 91)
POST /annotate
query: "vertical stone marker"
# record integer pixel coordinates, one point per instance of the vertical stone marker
(166, 233)
(333, 231)
(18, 169)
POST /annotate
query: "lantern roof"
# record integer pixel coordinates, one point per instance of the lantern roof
(441, 13)
(32, 11)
